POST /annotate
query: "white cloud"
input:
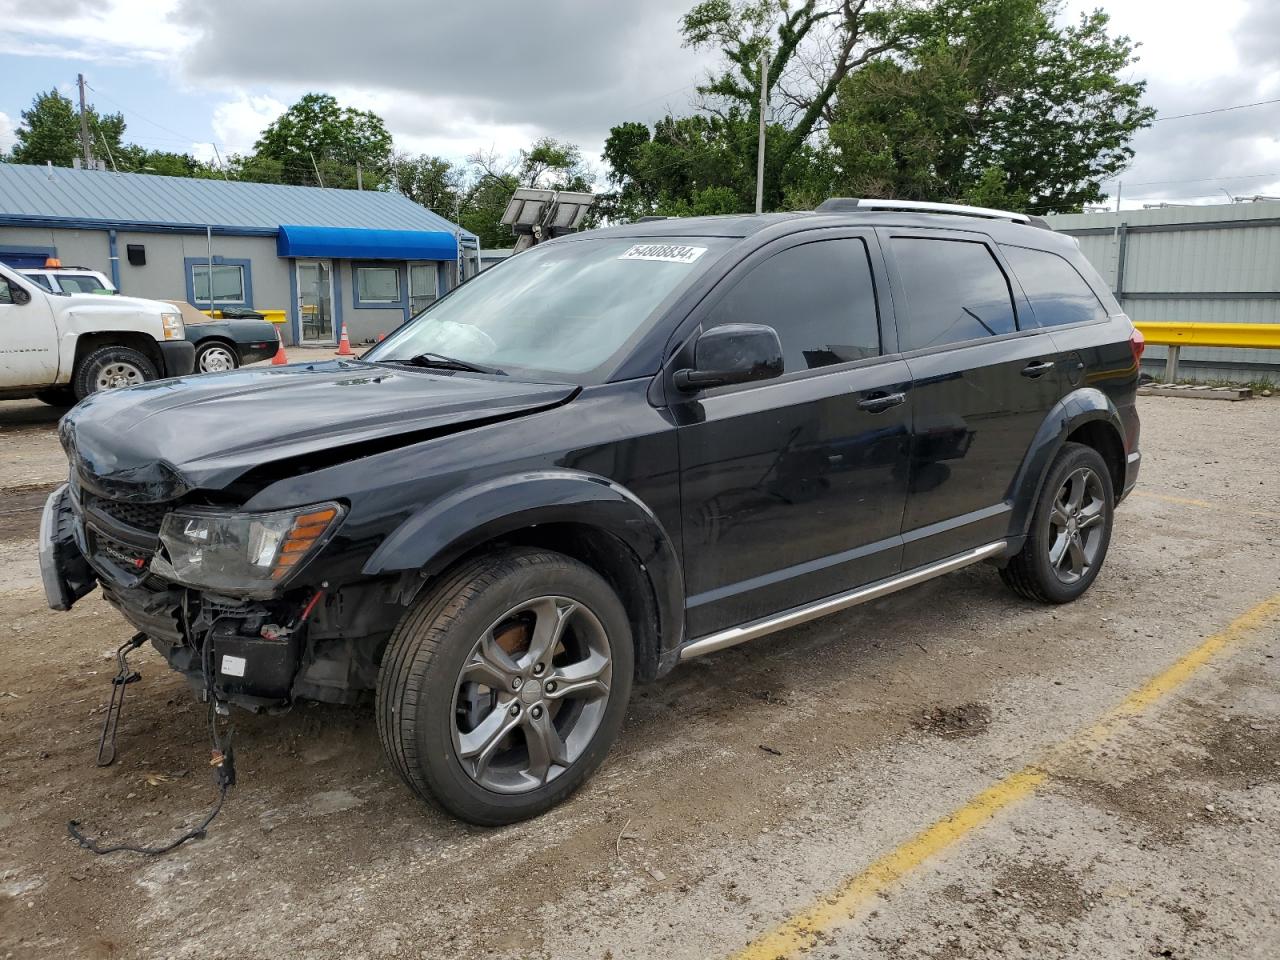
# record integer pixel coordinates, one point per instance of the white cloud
(7, 137)
(112, 31)
(238, 123)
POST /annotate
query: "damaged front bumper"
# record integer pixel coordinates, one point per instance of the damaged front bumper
(65, 572)
(312, 643)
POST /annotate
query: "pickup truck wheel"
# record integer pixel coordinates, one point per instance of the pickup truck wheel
(215, 357)
(1070, 531)
(502, 690)
(109, 367)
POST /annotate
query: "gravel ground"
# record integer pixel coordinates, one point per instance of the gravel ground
(745, 787)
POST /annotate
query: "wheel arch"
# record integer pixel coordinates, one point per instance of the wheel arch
(87, 343)
(581, 515)
(1084, 416)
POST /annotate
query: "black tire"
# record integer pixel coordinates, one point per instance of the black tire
(220, 348)
(1032, 573)
(58, 397)
(418, 696)
(91, 368)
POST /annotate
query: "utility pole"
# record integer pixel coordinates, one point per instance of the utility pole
(85, 142)
(359, 177)
(764, 103)
(316, 167)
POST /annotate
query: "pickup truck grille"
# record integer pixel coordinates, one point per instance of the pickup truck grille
(145, 517)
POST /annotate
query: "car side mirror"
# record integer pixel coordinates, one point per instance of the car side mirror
(733, 353)
(19, 296)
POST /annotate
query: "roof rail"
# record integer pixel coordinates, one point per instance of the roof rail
(850, 204)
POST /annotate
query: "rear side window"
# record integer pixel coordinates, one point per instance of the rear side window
(955, 291)
(41, 280)
(1057, 292)
(819, 296)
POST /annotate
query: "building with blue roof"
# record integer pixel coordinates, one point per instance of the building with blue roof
(314, 257)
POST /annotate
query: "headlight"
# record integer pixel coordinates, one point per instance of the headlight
(242, 554)
(172, 325)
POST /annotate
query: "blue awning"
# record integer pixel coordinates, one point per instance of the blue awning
(356, 243)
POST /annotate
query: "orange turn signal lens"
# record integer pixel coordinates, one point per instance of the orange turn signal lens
(306, 530)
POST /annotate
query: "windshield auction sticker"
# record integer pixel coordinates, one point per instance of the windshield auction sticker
(666, 252)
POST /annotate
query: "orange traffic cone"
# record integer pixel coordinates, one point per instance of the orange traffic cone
(279, 360)
(344, 344)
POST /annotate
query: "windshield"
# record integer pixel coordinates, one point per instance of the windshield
(560, 311)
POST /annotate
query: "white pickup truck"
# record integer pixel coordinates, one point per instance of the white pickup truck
(60, 348)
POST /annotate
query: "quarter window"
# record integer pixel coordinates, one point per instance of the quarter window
(1057, 292)
(819, 296)
(378, 284)
(228, 283)
(955, 291)
(6, 295)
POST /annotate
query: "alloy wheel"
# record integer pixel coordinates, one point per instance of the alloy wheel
(1077, 524)
(117, 373)
(531, 694)
(216, 359)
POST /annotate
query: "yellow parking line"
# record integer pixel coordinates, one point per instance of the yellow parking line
(1209, 504)
(802, 930)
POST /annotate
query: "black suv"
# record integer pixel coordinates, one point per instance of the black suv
(615, 451)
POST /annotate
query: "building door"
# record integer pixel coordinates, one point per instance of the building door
(315, 301)
(422, 287)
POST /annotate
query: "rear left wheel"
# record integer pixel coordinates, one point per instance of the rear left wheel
(503, 689)
(216, 357)
(1070, 531)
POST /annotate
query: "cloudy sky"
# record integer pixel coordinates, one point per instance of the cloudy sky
(192, 76)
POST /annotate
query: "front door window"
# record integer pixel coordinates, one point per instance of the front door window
(315, 300)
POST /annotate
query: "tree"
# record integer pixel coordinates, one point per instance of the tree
(433, 182)
(991, 102)
(317, 140)
(50, 131)
(812, 48)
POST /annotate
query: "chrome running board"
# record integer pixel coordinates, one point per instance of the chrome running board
(841, 601)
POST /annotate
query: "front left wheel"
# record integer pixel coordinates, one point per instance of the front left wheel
(502, 690)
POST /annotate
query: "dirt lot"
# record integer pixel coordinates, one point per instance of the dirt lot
(747, 787)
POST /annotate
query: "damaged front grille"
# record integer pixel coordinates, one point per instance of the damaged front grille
(145, 517)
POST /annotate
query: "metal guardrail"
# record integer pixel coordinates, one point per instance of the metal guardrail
(1175, 336)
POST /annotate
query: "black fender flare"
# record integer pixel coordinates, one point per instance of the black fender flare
(1077, 408)
(441, 532)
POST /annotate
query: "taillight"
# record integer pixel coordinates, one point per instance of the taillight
(1137, 343)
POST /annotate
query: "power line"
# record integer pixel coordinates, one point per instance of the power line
(1205, 113)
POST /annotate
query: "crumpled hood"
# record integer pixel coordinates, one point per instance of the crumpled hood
(156, 440)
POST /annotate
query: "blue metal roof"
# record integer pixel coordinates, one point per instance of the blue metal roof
(353, 243)
(49, 196)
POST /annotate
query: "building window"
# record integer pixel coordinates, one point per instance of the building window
(377, 285)
(228, 283)
(423, 288)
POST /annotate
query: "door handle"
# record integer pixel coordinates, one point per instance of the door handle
(1037, 369)
(880, 402)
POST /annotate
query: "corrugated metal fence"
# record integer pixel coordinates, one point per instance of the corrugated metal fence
(1205, 264)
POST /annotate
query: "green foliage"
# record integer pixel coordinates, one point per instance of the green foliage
(317, 141)
(131, 158)
(991, 102)
(433, 182)
(50, 131)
